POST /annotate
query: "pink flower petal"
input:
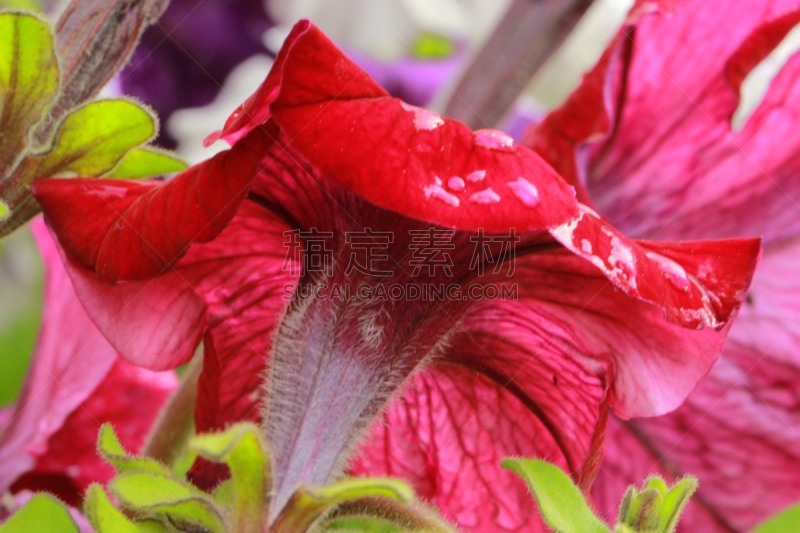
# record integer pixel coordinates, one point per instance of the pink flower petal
(742, 423)
(76, 382)
(666, 163)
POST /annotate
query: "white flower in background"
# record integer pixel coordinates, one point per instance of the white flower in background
(388, 29)
(191, 126)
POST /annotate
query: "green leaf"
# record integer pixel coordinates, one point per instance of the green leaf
(110, 448)
(561, 502)
(643, 510)
(168, 499)
(383, 515)
(94, 138)
(4, 210)
(657, 507)
(243, 450)
(362, 524)
(432, 46)
(28, 81)
(146, 162)
(41, 513)
(786, 520)
(310, 504)
(108, 519)
(675, 501)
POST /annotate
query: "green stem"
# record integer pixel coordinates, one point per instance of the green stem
(175, 424)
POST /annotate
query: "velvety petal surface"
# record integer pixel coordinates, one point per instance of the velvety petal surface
(739, 430)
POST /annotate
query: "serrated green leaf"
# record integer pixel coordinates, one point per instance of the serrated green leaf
(560, 501)
(786, 520)
(146, 162)
(105, 518)
(243, 450)
(674, 502)
(95, 137)
(110, 448)
(166, 498)
(41, 513)
(310, 504)
(28, 81)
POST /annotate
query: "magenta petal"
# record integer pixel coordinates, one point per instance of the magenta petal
(70, 361)
(54, 425)
(672, 167)
(448, 431)
(738, 431)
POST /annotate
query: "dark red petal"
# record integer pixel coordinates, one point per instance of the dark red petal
(133, 230)
(738, 431)
(697, 284)
(400, 157)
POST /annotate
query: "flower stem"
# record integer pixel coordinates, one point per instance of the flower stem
(524, 39)
(174, 425)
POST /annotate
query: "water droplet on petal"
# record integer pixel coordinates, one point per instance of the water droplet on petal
(456, 183)
(476, 176)
(424, 120)
(526, 191)
(672, 271)
(492, 139)
(486, 196)
(435, 190)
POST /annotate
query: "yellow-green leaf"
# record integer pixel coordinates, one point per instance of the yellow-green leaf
(561, 502)
(41, 513)
(146, 162)
(106, 518)
(243, 450)
(171, 500)
(110, 448)
(94, 138)
(28, 81)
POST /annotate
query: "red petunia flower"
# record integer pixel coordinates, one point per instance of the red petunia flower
(648, 138)
(599, 320)
(76, 383)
